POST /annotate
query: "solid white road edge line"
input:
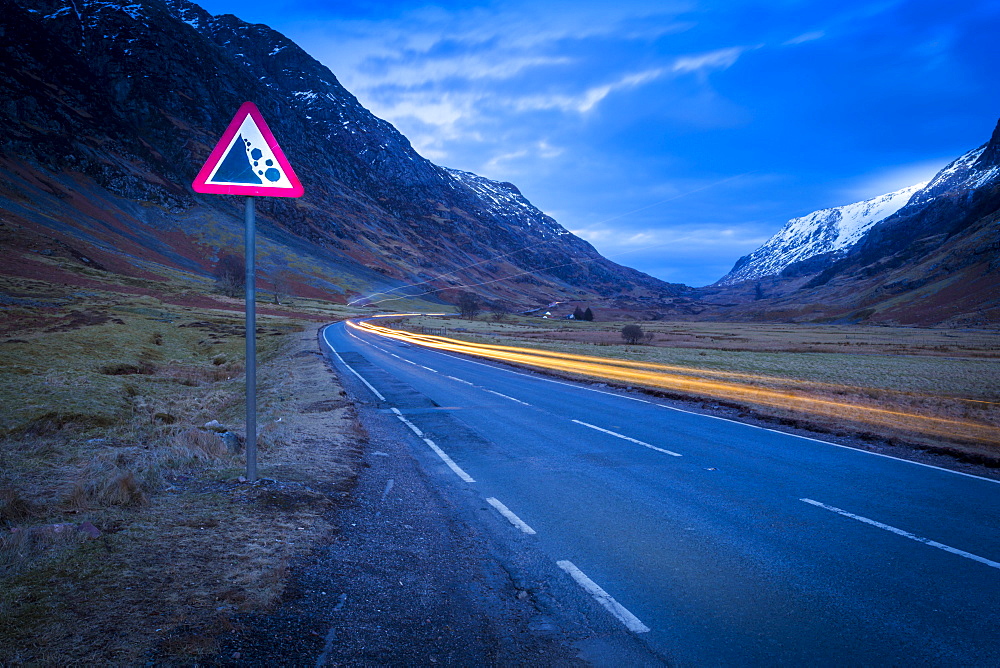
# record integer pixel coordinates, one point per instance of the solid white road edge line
(448, 460)
(630, 621)
(628, 438)
(511, 517)
(906, 534)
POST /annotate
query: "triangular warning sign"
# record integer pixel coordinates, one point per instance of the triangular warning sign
(248, 161)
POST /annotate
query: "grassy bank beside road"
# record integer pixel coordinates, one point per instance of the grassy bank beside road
(126, 534)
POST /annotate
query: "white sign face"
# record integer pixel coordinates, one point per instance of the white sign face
(249, 161)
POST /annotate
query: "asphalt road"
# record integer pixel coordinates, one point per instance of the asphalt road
(707, 541)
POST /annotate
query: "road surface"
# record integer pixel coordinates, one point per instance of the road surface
(706, 541)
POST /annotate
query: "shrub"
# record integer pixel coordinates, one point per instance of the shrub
(632, 334)
(468, 305)
(230, 275)
(499, 310)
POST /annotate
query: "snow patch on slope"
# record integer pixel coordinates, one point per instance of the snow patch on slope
(825, 231)
(505, 200)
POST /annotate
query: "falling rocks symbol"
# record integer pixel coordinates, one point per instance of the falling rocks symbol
(236, 167)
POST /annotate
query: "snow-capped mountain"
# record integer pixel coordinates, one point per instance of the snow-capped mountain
(925, 256)
(825, 231)
(835, 233)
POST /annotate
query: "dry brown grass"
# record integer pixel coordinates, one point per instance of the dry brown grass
(102, 424)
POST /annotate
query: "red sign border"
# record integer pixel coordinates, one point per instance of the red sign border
(200, 183)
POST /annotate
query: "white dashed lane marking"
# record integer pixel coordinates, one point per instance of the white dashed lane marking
(630, 621)
(905, 534)
(627, 438)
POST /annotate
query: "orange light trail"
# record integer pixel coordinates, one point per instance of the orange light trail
(703, 383)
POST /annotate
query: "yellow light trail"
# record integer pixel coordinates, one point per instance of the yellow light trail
(717, 385)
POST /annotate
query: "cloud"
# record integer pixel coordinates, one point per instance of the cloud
(591, 97)
(696, 254)
(806, 37)
(681, 240)
(411, 71)
(713, 60)
(500, 163)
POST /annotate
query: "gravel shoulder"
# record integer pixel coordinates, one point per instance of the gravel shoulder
(409, 574)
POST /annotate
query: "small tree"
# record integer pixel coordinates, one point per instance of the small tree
(588, 315)
(281, 283)
(578, 313)
(230, 275)
(468, 305)
(499, 310)
(632, 334)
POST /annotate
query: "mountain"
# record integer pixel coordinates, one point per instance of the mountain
(827, 231)
(934, 261)
(111, 107)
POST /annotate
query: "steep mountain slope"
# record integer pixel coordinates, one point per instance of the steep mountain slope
(934, 261)
(832, 231)
(110, 108)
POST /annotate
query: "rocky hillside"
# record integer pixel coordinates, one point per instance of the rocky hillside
(111, 107)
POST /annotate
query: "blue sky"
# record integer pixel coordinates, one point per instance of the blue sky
(674, 136)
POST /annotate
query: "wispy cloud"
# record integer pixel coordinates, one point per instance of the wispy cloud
(811, 36)
(591, 97)
(713, 60)
(678, 251)
(587, 99)
(539, 150)
(420, 55)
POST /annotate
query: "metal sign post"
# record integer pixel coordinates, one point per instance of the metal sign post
(248, 161)
(250, 255)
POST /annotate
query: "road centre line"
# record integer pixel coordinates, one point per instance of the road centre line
(523, 403)
(459, 380)
(511, 517)
(628, 438)
(630, 621)
(906, 534)
(499, 366)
